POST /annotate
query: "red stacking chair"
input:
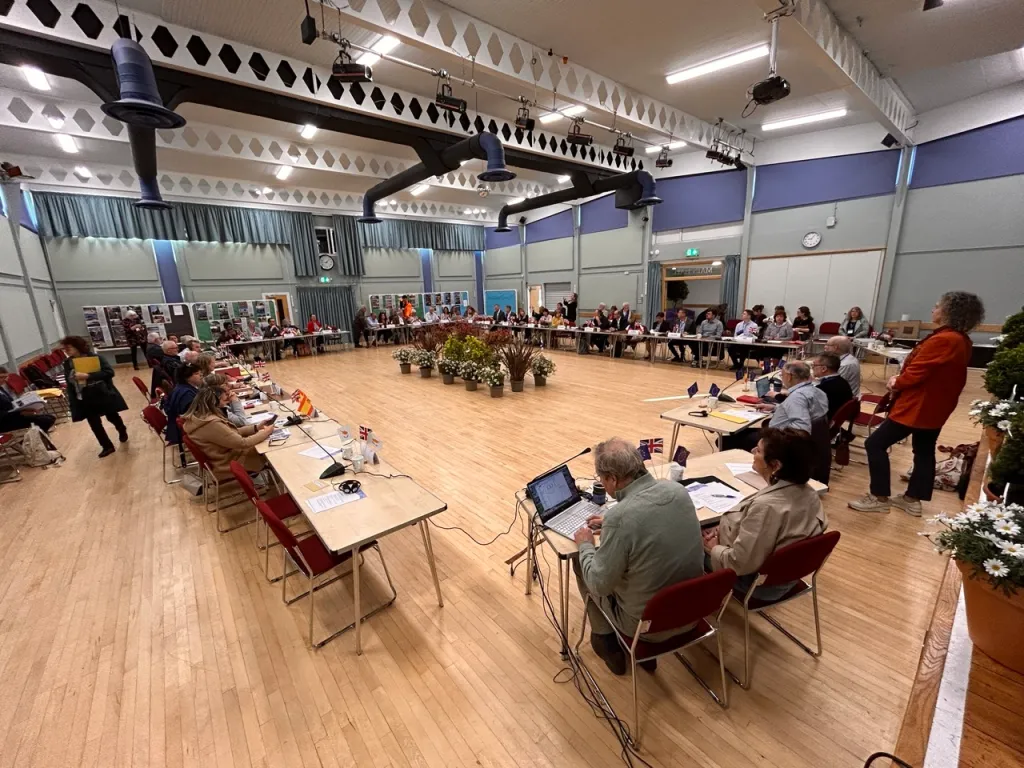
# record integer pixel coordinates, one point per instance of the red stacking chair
(792, 563)
(143, 389)
(156, 420)
(829, 329)
(313, 559)
(282, 505)
(700, 601)
(840, 438)
(730, 326)
(210, 480)
(17, 383)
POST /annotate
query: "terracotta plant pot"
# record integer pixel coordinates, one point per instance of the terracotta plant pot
(995, 440)
(405, 367)
(470, 386)
(517, 386)
(448, 378)
(995, 622)
(540, 381)
(425, 372)
(498, 391)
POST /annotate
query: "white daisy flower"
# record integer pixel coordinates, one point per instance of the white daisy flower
(1003, 426)
(988, 536)
(995, 513)
(972, 516)
(1007, 528)
(975, 412)
(1012, 548)
(996, 567)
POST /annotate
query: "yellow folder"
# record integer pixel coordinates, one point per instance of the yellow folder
(90, 364)
(728, 417)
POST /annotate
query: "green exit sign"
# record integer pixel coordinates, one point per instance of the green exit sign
(325, 279)
(693, 251)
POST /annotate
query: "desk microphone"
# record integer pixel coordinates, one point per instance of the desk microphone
(336, 468)
(585, 451)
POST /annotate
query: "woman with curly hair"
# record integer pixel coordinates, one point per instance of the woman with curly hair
(924, 395)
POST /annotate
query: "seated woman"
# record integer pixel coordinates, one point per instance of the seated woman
(787, 510)
(383, 335)
(234, 411)
(446, 315)
(803, 323)
(222, 443)
(176, 404)
(777, 329)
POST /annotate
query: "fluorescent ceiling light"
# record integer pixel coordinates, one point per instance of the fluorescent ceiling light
(35, 77)
(467, 212)
(716, 263)
(283, 172)
(717, 64)
(67, 143)
(658, 147)
(267, 191)
(419, 189)
(779, 124)
(562, 179)
(516, 200)
(56, 122)
(576, 109)
(383, 46)
(81, 170)
(308, 131)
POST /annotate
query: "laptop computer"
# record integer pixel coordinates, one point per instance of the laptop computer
(558, 502)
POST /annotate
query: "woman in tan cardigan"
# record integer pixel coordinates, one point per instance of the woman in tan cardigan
(223, 443)
(783, 512)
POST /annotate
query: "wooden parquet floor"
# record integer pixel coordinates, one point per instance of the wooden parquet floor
(133, 634)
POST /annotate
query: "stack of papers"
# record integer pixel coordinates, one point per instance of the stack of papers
(737, 468)
(742, 413)
(333, 499)
(316, 452)
(717, 497)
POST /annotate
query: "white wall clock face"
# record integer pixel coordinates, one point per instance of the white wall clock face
(811, 240)
(326, 262)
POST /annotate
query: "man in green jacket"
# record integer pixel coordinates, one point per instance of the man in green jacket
(650, 540)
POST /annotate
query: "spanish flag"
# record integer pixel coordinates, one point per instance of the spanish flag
(305, 405)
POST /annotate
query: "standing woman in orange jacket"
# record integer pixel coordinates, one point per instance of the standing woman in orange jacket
(924, 393)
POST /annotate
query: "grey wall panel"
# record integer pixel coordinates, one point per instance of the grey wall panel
(709, 249)
(862, 225)
(454, 264)
(392, 262)
(550, 255)
(8, 258)
(996, 275)
(35, 260)
(225, 261)
(243, 291)
(505, 284)
(458, 285)
(100, 260)
(19, 321)
(979, 214)
(46, 300)
(610, 288)
(504, 261)
(612, 248)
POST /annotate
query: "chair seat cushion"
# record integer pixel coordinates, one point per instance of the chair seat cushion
(319, 558)
(284, 506)
(649, 650)
(799, 588)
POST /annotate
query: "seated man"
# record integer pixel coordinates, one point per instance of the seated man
(23, 419)
(649, 540)
(835, 387)
(710, 328)
(849, 365)
(803, 405)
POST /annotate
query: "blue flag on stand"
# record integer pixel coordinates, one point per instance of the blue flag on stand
(644, 451)
(715, 389)
(740, 373)
(693, 389)
(767, 366)
(680, 456)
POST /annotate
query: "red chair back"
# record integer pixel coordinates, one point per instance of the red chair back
(142, 386)
(688, 601)
(829, 329)
(799, 559)
(17, 384)
(281, 531)
(730, 326)
(200, 457)
(847, 413)
(245, 482)
(156, 419)
(882, 405)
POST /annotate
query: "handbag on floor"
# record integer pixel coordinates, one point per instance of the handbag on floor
(953, 473)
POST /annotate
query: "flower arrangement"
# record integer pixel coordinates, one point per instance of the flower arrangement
(1006, 372)
(424, 358)
(448, 366)
(998, 414)
(404, 355)
(517, 356)
(988, 537)
(498, 338)
(470, 371)
(542, 366)
(493, 376)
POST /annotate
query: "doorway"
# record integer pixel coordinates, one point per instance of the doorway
(536, 297)
(282, 305)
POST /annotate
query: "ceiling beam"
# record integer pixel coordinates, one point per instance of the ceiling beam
(891, 107)
(527, 67)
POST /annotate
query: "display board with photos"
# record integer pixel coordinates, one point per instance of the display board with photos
(386, 302)
(105, 323)
(211, 316)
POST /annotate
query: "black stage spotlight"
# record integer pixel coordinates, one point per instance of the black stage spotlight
(889, 141)
(308, 30)
(445, 100)
(663, 161)
(347, 71)
(524, 121)
(740, 165)
(623, 146)
(931, 5)
(575, 136)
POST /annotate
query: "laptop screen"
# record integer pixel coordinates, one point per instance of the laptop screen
(553, 492)
(763, 385)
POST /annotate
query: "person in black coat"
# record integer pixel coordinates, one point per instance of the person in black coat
(836, 388)
(91, 396)
(571, 304)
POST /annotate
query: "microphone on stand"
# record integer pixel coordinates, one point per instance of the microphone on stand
(585, 451)
(336, 467)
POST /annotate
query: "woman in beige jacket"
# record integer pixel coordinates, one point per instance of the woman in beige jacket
(785, 511)
(223, 443)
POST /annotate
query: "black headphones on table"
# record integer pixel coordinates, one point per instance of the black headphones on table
(350, 486)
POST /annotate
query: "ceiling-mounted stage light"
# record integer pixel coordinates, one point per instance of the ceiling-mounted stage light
(663, 161)
(348, 71)
(931, 5)
(447, 101)
(624, 146)
(740, 165)
(523, 119)
(576, 136)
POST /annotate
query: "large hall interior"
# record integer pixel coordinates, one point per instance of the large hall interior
(452, 383)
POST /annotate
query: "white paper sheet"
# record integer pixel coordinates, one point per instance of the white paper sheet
(738, 468)
(717, 497)
(316, 452)
(333, 499)
(741, 413)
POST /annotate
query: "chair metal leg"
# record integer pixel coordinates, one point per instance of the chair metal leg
(635, 736)
(746, 649)
(793, 637)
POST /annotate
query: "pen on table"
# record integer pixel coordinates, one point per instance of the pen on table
(722, 496)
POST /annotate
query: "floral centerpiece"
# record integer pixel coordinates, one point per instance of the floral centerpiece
(494, 378)
(404, 357)
(995, 416)
(449, 369)
(541, 367)
(425, 359)
(986, 541)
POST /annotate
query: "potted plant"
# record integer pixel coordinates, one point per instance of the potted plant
(470, 373)
(1006, 373)
(986, 541)
(404, 358)
(494, 377)
(995, 416)
(1006, 471)
(449, 369)
(1012, 334)
(425, 359)
(517, 356)
(542, 367)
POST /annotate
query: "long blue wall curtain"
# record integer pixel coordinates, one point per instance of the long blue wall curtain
(731, 285)
(435, 235)
(825, 180)
(984, 153)
(333, 305)
(552, 227)
(426, 258)
(350, 251)
(701, 200)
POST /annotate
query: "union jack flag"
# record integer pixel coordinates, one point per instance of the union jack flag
(364, 432)
(265, 376)
(260, 364)
(652, 445)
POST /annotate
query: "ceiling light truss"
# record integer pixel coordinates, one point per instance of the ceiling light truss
(29, 111)
(730, 145)
(54, 174)
(433, 25)
(207, 55)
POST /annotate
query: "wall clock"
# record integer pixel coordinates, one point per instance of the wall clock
(811, 240)
(326, 262)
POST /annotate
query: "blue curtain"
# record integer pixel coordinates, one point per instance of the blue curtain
(653, 292)
(731, 286)
(436, 235)
(333, 305)
(63, 215)
(350, 251)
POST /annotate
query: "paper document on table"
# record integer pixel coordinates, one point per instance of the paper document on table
(717, 497)
(333, 499)
(738, 468)
(741, 413)
(316, 452)
(280, 434)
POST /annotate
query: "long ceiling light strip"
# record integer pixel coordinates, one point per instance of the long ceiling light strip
(383, 46)
(716, 65)
(670, 146)
(793, 122)
(573, 111)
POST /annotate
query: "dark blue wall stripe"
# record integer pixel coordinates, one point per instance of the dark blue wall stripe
(701, 200)
(425, 267)
(550, 228)
(494, 239)
(984, 153)
(168, 271)
(826, 179)
(478, 264)
(601, 215)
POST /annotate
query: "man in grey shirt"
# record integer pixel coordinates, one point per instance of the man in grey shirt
(650, 540)
(849, 366)
(709, 328)
(804, 403)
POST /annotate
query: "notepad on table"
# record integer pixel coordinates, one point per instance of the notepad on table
(727, 416)
(333, 499)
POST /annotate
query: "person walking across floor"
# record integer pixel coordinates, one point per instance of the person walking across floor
(92, 396)
(135, 335)
(925, 394)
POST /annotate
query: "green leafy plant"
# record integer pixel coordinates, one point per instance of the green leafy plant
(478, 352)
(424, 358)
(1005, 372)
(988, 537)
(470, 371)
(1012, 335)
(517, 356)
(1008, 465)
(493, 376)
(542, 366)
(454, 349)
(403, 355)
(448, 367)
